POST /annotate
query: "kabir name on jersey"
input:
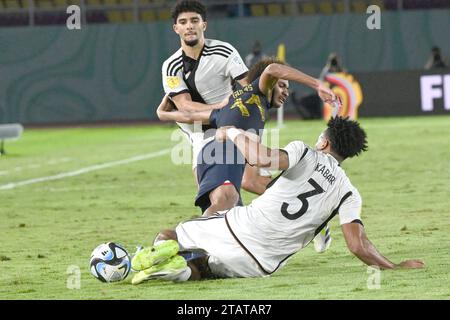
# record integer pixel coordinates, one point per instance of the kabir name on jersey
(325, 172)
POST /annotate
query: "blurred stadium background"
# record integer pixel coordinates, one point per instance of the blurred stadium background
(110, 70)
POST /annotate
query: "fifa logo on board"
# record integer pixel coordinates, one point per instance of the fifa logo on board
(432, 88)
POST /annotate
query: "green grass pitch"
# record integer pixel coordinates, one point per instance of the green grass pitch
(48, 226)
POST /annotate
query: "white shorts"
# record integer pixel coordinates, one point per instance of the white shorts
(227, 258)
(194, 135)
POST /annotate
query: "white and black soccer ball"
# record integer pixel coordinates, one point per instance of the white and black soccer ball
(110, 262)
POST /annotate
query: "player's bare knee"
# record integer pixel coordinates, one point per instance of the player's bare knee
(224, 197)
(232, 196)
(217, 196)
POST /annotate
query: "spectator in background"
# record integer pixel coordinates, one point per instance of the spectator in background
(310, 106)
(333, 65)
(255, 56)
(436, 60)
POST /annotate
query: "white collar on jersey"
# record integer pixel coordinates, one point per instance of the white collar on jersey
(333, 158)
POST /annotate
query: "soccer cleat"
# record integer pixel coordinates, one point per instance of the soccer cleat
(168, 269)
(148, 257)
(322, 241)
(138, 248)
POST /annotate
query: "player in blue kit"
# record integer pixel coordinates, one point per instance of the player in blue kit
(220, 166)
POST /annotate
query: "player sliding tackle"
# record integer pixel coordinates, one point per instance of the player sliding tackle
(220, 170)
(258, 239)
(220, 181)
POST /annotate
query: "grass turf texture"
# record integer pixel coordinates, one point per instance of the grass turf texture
(47, 227)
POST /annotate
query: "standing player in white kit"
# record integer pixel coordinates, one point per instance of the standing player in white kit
(199, 76)
(256, 240)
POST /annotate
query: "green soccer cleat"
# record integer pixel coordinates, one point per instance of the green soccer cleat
(148, 257)
(169, 268)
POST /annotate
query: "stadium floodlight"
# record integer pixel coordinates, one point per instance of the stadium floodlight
(11, 131)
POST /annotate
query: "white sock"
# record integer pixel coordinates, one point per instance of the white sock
(158, 242)
(179, 276)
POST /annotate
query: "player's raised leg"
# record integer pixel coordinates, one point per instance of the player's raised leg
(222, 198)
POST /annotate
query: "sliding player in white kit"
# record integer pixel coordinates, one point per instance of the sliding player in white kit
(256, 240)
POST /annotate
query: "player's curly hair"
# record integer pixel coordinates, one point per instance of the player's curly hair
(188, 6)
(346, 136)
(257, 69)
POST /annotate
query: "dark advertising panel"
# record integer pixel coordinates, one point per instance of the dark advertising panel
(403, 93)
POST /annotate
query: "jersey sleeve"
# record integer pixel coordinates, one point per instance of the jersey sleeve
(295, 151)
(236, 68)
(350, 209)
(173, 81)
(213, 118)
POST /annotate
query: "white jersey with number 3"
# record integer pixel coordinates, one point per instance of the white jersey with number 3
(295, 207)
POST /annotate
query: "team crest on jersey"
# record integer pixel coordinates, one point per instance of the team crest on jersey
(173, 82)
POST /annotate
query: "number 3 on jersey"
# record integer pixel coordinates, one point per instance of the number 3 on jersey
(304, 199)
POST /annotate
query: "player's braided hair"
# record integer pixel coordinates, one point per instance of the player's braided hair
(347, 138)
(188, 6)
(257, 69)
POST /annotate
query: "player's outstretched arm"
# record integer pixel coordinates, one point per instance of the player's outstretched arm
(276, 71)
(361, 247)
(166, 112)
(253, 182)
(184, 102)
(256, 153)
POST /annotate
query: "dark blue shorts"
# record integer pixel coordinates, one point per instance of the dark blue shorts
(217, 163)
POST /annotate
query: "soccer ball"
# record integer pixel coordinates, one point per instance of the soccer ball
(110, 262)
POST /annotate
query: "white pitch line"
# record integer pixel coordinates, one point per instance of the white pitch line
(35, 166)
(84, 170)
